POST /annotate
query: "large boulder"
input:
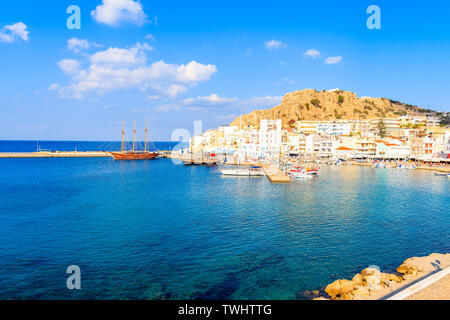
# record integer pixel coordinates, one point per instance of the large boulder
(346, 286)
(357, 280)
(367, 272)
(404, 268)
(339, 288)
(333, 289)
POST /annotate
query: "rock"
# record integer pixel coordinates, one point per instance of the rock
(362, 291)
(373, 281)
(369, 272)
(347, 296)
(333, 289)
(406, 276)
(393, 277)
(339, 288)
(346, 286)
(404, 268)
(321, 298)
(315, 292)
(391, 283)
(357, 280)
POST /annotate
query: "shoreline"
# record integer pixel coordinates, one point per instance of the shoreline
(417, 278)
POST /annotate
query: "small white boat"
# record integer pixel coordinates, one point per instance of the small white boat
(442, 174)
(242, 172)
(379, 165)
(302, 173)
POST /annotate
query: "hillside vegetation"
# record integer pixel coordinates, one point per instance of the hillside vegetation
(315, 105)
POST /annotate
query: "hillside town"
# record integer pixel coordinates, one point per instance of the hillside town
(406, 138)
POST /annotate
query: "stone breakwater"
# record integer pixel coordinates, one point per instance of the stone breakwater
(372, 284)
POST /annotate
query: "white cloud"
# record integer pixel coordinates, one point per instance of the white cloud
(263, 102)
(69, 66)
(312, 53)
(212, 99)
(167, 107)
(216, 103)
(53, 86)
(227, 117)
(333, 60)
(115, 12)
(150, 37)
(274, 44)
(127, 68)
(77, 45)
(122, 57)
(13, 32)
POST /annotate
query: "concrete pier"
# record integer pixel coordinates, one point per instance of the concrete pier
(57, 154)
(275, 175)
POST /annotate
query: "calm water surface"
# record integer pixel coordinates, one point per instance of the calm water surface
(154, 230)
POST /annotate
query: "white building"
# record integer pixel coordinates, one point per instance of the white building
(433, 121)
(334, 128)
(270, 137)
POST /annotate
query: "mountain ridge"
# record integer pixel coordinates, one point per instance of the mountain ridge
(313, 105)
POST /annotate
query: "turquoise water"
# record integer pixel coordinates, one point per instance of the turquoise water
(155, 230)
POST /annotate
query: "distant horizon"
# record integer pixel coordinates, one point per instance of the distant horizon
(195, 63)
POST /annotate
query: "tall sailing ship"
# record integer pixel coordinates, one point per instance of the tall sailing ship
(134, 154)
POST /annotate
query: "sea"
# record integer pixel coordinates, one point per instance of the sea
(160, 230)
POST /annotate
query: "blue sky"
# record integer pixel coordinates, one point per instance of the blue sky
(173, 62)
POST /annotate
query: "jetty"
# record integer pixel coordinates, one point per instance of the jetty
(55, 154)
(275, 175)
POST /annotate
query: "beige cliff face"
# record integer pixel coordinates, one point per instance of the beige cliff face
(315, 105)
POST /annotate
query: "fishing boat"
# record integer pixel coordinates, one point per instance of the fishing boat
(249, 172)
(303, 173)
(134, 154)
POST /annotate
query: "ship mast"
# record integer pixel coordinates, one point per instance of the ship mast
(146, 130)
(134, 135)
(123, 135)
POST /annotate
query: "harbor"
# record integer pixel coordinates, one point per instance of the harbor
(269, 237)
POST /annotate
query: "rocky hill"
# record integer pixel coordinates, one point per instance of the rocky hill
(315, 105)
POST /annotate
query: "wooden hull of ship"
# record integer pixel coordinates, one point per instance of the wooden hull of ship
(134, 155)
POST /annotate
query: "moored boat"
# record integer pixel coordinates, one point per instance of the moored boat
(441, 174)
(134, 154)
(249, 172)
(299, 172)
